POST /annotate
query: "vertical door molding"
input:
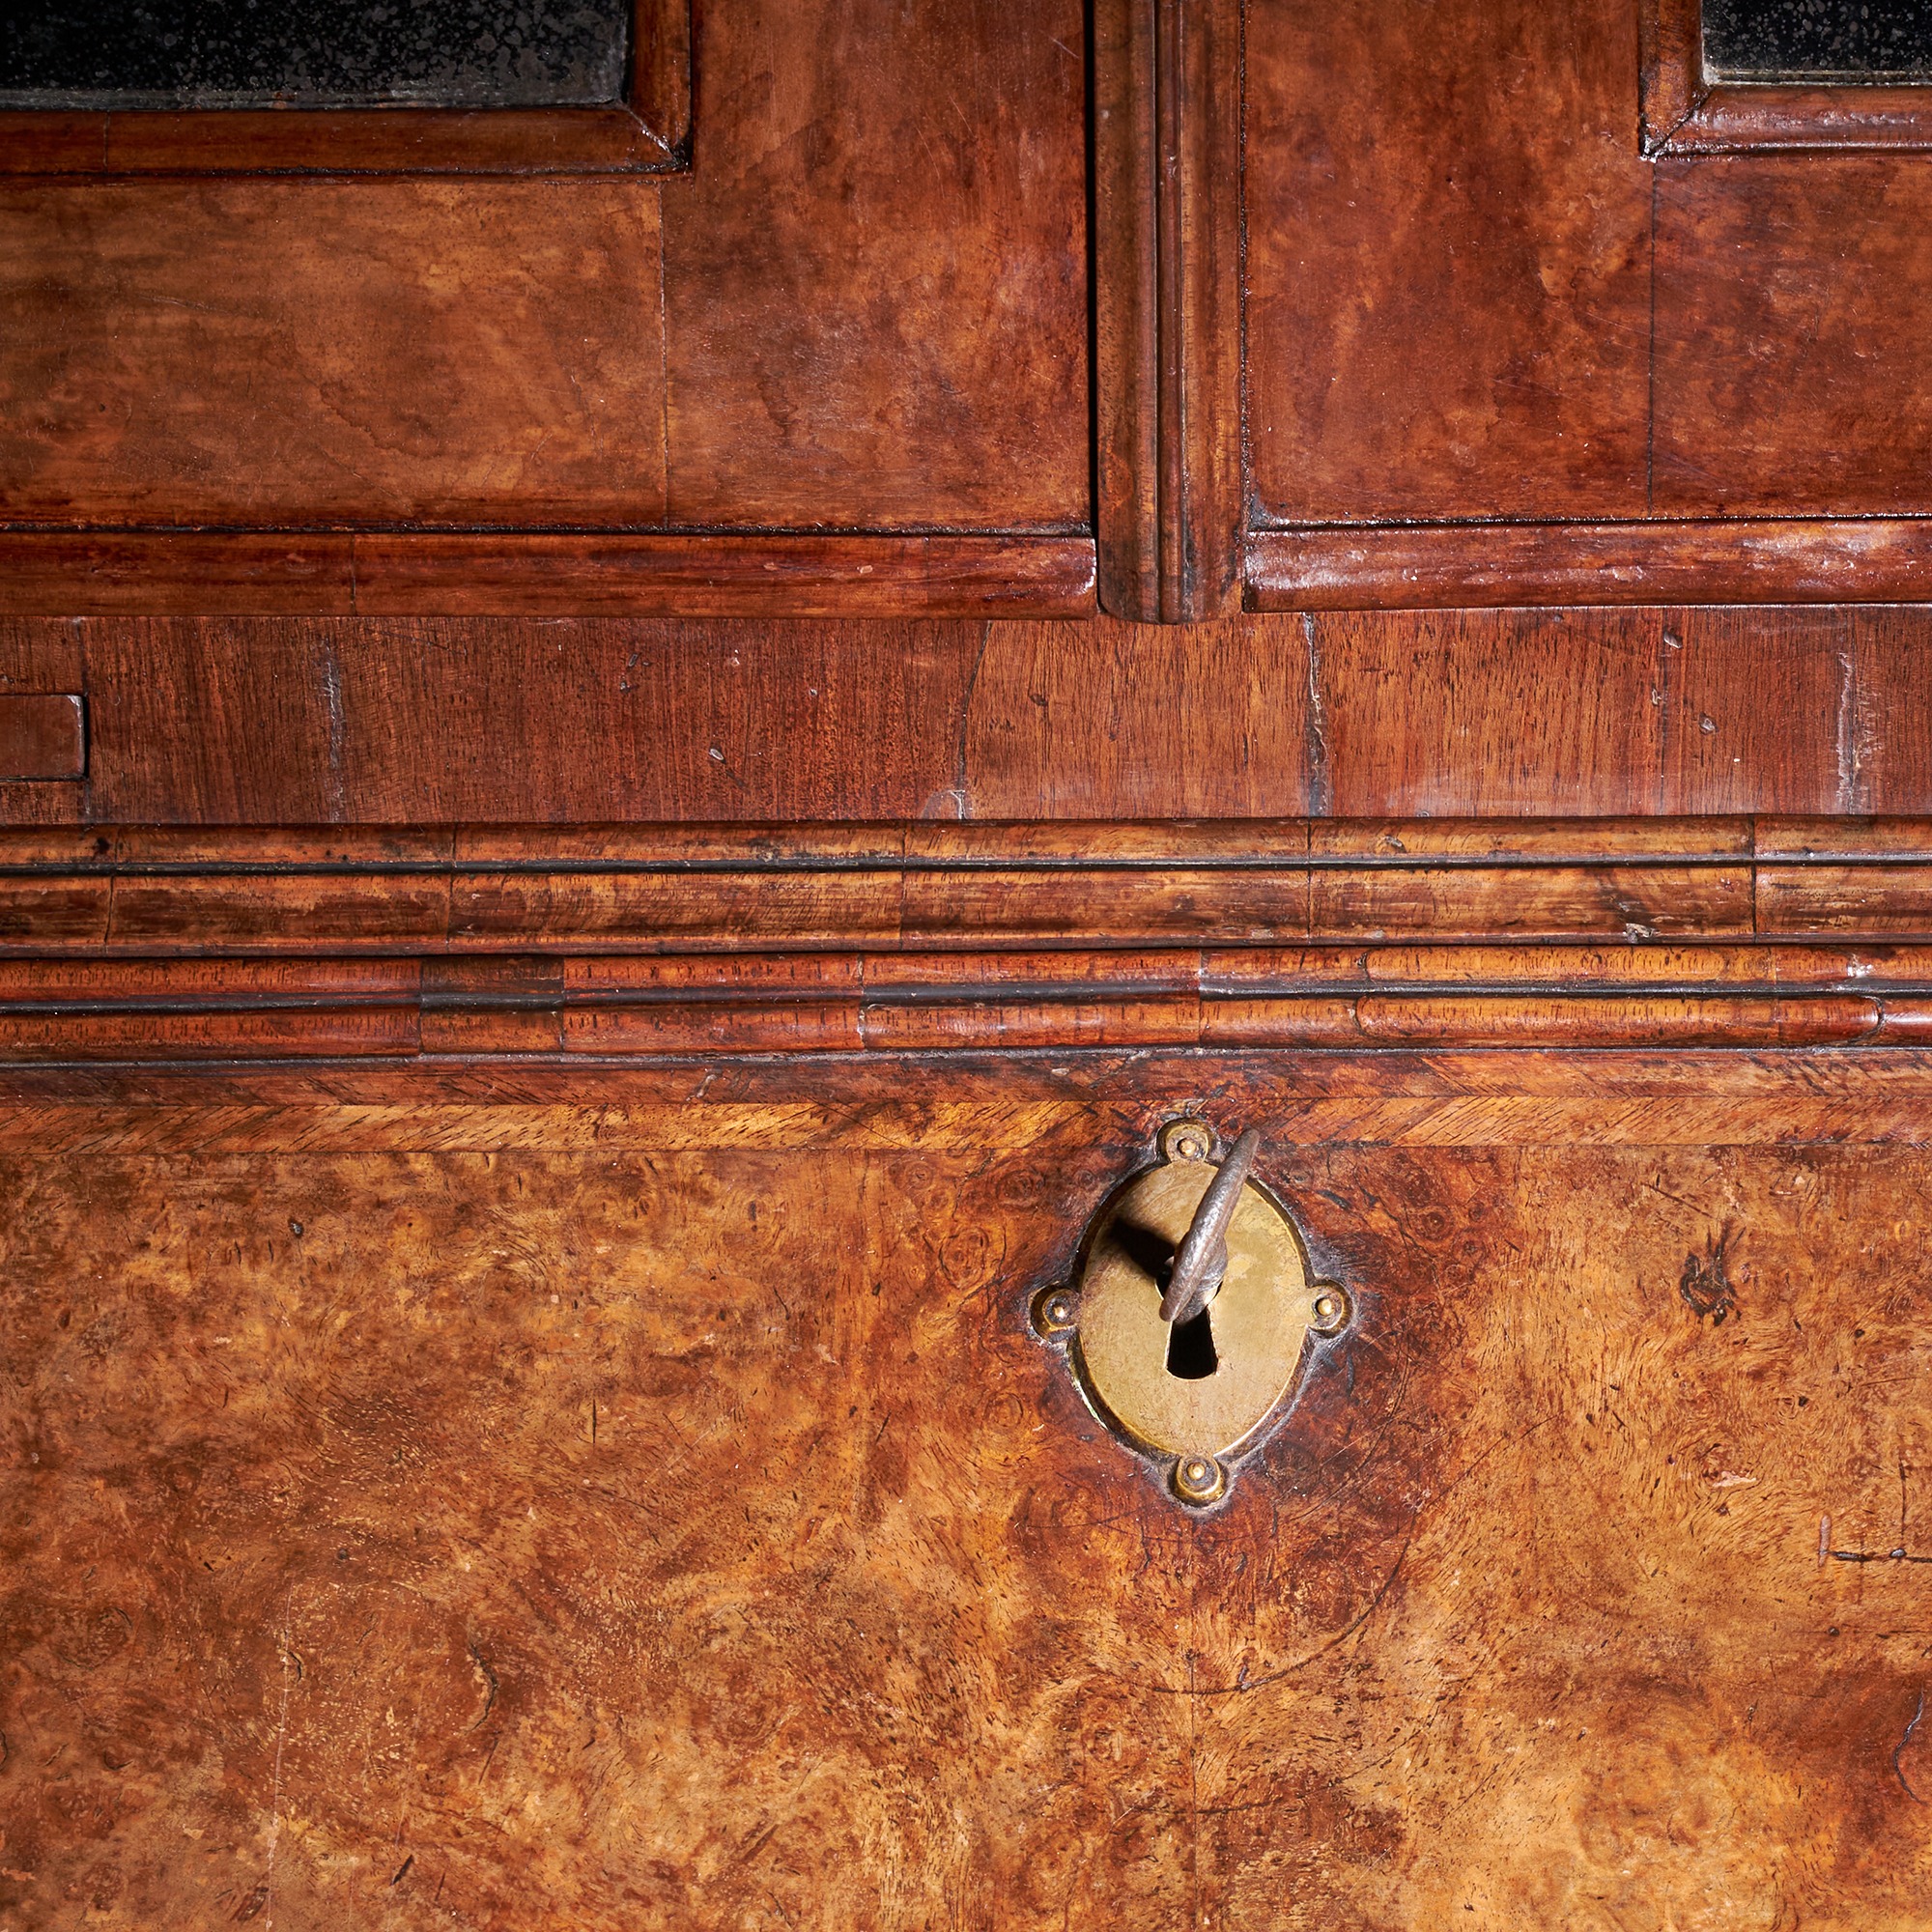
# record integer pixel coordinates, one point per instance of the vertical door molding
(1167, 228)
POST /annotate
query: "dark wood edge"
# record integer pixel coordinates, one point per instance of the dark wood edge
(648, 133)
(258, 573)
(1726, 560)
(1685, 114)
(1167, 299)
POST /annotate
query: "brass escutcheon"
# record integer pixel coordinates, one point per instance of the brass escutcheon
(1196, 1390)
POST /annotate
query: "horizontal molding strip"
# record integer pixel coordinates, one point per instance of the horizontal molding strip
(173, 1010)
(265, 944)
(514, 574)
(943, 886)
(1508, 565)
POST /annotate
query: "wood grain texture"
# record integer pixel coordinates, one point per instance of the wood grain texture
(852, 1003)
(240, 723)
(1585, 713)
(35, 659)
(713, 576)
(937, 886)
(1797, 385)
(70, 574)
(358, 1604)
(298, 352)
(42, 736)
(1037, 1102)
(1119, 720)
(1448, 252)
(608, 140)
(854, 342)
(1750, 120)
(875, 295)
(1663, 711)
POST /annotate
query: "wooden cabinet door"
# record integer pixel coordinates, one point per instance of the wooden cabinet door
(643, 749)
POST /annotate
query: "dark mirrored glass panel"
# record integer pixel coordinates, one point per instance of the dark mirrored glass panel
(312, 53)
(1873, 40)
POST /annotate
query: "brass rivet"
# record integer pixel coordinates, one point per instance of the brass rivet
(1186, 1140)
(1055, 1311)
(1329, 1314)
(1200, 1479)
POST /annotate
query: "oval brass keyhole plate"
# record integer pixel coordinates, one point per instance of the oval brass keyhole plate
(1195, 1392)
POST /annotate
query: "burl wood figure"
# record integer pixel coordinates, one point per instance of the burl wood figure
(966, 966)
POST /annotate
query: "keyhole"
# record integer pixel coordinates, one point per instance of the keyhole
(1190, 1349)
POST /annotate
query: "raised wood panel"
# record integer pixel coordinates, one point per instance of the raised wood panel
(876, 285)
(393, 1602)
(1448, 258)
(1472, 298)
(1794, 315)
(866, 309)
(264, 351)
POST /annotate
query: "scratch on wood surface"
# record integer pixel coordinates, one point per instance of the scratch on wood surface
(1320, 791)
(1847, 734)
(1898, 1768)
(338, 730)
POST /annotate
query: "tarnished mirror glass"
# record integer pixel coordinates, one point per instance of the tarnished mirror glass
(1843, 41)
(86, 54)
